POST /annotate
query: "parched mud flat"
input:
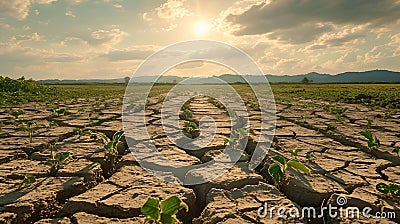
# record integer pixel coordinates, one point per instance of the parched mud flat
(342, 165)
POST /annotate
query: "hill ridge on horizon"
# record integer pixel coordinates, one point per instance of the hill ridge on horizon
(315, 77)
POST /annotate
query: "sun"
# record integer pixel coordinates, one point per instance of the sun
(202, 27)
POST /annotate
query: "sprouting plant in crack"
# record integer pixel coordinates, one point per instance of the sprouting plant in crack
(231, 142)
(191, 129)
(389, 189)
(310, 156)
(339, 112)
(373, 141)
(56, 163)
(29, 126)
(26, 182)
(329, 126)
(51, 124)
(59, 111)
(110, 150)
(83, 131)
(304, 118)
(17, 113)
(277, 170)
(397, 151)
(162, 212)
(368, 120)
(294, 152)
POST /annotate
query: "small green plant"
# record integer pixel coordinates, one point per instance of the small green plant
(329, 126)
(373, 141)
(110, 150)
(59, 111)
(56, 163)
(29, 126)
(277, 170)
(310, 156)
(294, 152)
(163, 212)
(397, 150)
(339, 112)
(26, 182)
(17, 113)
(368, 120)
(51, 124)
(231, 142)
(304, 118)
(391, 189)
(191, 129)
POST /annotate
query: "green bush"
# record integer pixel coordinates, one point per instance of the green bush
(19, 91)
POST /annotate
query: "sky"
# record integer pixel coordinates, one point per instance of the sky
(101, 39)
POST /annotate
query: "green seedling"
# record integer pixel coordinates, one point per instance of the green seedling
(242, 132)
(294, 152)
(29, 126)
(231, 142)
(340, 111)
(389, 114)
(329, 126)
(304, 118)
(17, 113)
(373, 141)
(26, 182)
(310, 156)
(391, 189)
(368, 120)
(51, 124)
(59, 112)
(56, 163)
(397, 150)
(110, 150)
(83, 131)
(163, 212)
(277, 170)
(191, 129)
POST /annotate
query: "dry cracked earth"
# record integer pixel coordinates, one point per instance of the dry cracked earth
(343, 166)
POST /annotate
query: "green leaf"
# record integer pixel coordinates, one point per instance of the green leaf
(394, 189)
(275, 171)
(167, 219)
(298, 166)
(151, 208)
(29, 179)
(117, 136)
(242, 131)
(383, 188)
(171, 205)
(280, 159)
(366, 134)
(62, 157)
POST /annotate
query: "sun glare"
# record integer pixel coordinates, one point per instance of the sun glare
(202, 27)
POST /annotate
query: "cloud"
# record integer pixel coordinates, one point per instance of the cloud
(69, 13)
(106, 37)
(29, 37)
(137, 53)
(19, 9)
(118, 6)
(172, 9)
(301, 21)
